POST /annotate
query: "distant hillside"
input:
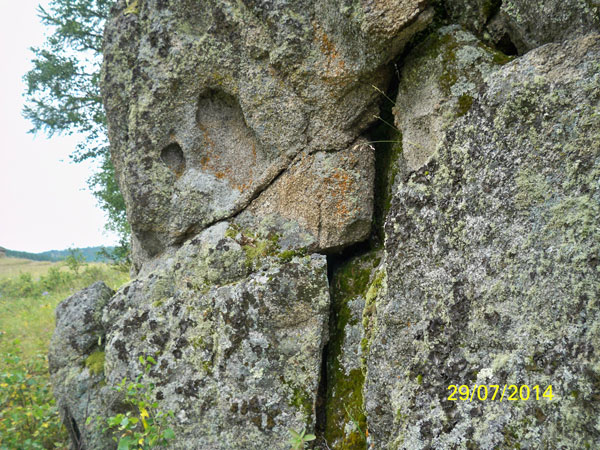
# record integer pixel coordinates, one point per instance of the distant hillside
(91, 254)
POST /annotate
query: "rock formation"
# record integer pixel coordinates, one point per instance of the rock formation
(294, 269)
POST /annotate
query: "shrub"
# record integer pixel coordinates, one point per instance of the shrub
(29, 417)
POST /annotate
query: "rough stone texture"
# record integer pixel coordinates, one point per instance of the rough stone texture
(492, 273)
(79, 335)
(472, 14)
(528, 23)
(207, 102)
(531, 23)
(328, 194)
(237, 326)
(236, 130)
(438, 83)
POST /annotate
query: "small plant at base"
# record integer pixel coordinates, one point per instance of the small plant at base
(298, 440)
(146, 427)
(363, 434)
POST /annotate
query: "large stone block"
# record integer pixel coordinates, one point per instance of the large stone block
(236, 320)
(492, 268)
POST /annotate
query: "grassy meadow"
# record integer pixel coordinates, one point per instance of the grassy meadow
(29, 293)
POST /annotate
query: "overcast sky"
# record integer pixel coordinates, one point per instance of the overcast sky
(44, 200)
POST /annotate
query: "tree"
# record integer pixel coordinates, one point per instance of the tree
(63, 95)
(75, 260)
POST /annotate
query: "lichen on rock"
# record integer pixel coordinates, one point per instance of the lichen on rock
(439, 82)
(495, 246)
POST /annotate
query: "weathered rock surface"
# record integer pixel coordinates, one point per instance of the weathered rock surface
(534, 23)
(472, 14)
(237, 327)
(208, 102)
(528, 23)
(438, 83)
(328, 194)
(238, 138)
(492, 268)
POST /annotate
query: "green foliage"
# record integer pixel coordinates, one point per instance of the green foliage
(63, 93)
(298, 440)
(29, 417)
(75, 260)
(145, 427)
(28, 303)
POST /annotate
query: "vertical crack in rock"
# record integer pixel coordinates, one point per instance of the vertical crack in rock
(354, 276)
(321, 402)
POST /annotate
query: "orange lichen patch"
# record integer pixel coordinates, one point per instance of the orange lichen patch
(335, 63)
(340, 184)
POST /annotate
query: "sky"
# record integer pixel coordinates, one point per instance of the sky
(44, 200)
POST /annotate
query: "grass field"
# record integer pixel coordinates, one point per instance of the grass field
(29, 293)
(9, 267)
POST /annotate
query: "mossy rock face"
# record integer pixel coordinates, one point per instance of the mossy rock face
(95, 362)
(353, 296)
(492, 268)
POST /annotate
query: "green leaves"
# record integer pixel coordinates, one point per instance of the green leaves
(29, 417)
(127, 442)
(298, 440)
(145, 427)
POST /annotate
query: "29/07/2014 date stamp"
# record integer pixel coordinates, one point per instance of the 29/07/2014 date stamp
(496, 392)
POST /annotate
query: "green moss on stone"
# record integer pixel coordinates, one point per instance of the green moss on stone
(95, 362)
(465, 102)
(369, 317)
(303, 401)
(344, 401)
(288, 255)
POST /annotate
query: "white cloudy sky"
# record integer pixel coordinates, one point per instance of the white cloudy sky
(44, 201)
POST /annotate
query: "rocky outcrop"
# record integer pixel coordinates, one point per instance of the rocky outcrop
(439, 81)
(236, 322)
(495, 247)
(238, 329)
(240, 134)
(209, 102)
